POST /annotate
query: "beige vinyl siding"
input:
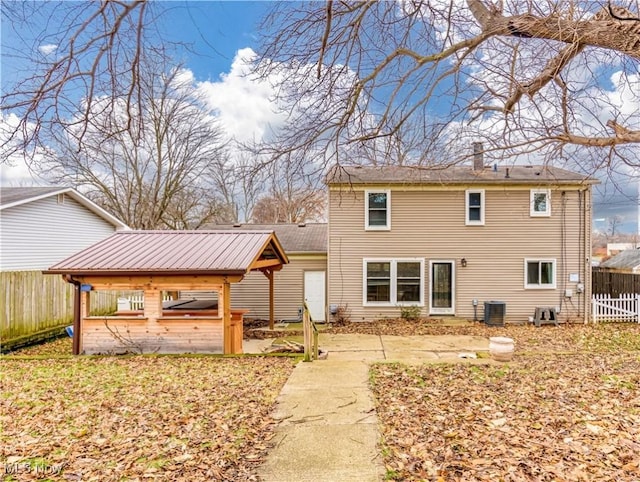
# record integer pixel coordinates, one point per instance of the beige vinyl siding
(252, 292)
(430, 224)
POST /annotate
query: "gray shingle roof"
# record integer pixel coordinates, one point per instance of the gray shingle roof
(173, 252)
(627, 259)
(295, 238)
(10, 195)
(536, 175)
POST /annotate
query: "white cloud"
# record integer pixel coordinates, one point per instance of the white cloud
(626, 94)
(242, 102)
(47, 49)
(14, 169)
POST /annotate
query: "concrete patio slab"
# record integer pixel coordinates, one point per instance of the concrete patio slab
(413, 356)
(359, 355)
(434, 343)
(340, 342)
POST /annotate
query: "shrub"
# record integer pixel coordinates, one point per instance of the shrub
(343, 315)
(410, 313)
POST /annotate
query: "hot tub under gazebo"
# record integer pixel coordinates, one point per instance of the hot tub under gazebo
(167, 261)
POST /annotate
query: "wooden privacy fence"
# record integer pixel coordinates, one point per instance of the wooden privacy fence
(614, 283)
(624, 308)
(34, 305)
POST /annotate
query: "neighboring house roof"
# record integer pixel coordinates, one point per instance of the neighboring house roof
(538, 175)
(295, 238)
(174, 252)
(16, 196)
(627, 260)
(13, 196)
(615, 248)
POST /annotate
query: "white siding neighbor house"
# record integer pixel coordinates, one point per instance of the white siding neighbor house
(40, 226)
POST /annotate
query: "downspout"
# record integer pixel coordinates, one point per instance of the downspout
(588, 272)
(76, 312)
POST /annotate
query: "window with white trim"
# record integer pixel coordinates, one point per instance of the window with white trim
(539, 273)
(474, 207)
(391, 282)
(377, 210)
(540, 202)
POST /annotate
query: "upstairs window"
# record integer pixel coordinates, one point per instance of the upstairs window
(474, 207)
(540, 202)
(540, 273)
(377, 210)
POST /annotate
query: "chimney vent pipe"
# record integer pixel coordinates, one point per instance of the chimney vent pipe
(478, 156)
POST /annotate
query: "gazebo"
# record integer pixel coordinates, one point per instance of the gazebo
(158, 262)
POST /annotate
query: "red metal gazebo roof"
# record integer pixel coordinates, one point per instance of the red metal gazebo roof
(175, 252)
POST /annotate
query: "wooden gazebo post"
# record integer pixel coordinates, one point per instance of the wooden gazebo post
(225, 309)
(269, 274)
(153, 304)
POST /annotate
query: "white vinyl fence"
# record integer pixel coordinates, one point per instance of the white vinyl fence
(136, 301)
(624, 308)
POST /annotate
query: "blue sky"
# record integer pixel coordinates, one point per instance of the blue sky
(215, 31)
(212, 31)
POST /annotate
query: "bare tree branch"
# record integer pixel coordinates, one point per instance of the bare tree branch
(99, 55)
(522, 77)
(153, 174)
(602, 30)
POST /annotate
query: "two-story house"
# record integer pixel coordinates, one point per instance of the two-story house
(450, 240)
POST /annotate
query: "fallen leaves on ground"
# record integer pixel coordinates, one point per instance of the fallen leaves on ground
(138, 418)
(548, 338)
(547, 417)
(57, 347)
(528, 338)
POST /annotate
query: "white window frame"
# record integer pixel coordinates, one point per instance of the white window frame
(468, 220)
(532, 210)
(540, 286)
(394, 282)
(386, 227)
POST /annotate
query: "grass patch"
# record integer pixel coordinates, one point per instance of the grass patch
(122, 418)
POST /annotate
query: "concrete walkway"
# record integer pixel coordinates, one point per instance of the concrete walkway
(328, 428)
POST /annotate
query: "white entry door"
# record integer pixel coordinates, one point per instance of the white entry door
(314, 294)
